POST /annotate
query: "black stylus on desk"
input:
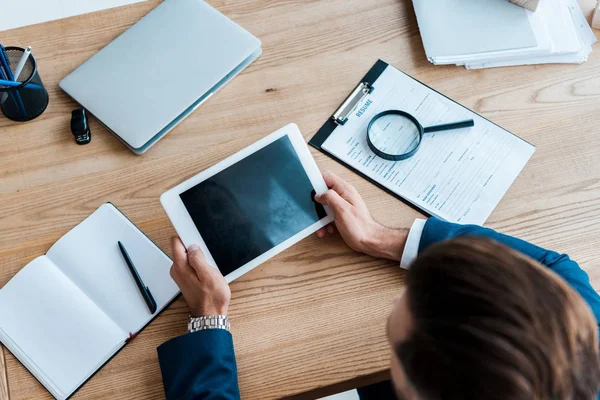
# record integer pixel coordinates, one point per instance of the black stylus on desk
(138, 280)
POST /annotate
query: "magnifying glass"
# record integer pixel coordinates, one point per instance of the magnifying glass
(396, 135)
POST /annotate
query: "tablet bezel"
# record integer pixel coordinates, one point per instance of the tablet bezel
(189, 234)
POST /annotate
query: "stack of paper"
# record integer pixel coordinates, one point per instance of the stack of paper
(496, 33)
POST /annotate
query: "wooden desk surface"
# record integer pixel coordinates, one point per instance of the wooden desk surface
(314, 315)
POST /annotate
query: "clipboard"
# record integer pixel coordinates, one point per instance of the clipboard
(340, 116)
(366, 86)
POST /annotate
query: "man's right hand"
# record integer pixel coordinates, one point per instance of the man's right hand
(354, 222)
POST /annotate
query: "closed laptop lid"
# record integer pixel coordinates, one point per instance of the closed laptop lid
(143, 80)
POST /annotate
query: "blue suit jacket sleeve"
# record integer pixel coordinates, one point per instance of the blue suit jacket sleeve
(437, 230)
(199, 365)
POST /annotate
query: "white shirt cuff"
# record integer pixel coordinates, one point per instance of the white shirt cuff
(411, 248)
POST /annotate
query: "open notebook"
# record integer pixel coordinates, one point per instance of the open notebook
(65, 314)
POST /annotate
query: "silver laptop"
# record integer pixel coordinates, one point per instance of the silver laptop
(150, 78)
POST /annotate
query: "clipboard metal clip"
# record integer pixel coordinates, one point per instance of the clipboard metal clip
(340, 116)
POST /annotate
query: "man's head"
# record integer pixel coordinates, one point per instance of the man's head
(480, 321)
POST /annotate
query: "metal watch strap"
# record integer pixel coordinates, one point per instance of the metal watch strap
(196, 324)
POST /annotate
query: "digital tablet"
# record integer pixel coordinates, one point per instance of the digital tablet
(252, 205)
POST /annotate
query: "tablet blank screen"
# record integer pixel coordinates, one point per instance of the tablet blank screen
(254, 205)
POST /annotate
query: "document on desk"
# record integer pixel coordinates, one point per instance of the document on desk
(16, 14)
(458, 175)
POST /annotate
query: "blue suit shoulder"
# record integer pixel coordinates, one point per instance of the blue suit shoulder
(436, 230)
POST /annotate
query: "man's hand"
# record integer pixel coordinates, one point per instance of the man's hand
(203, 287)
(354, 222)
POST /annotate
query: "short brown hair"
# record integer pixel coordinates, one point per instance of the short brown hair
(490, 323)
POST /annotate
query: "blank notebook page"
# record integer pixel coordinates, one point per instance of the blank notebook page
(89, 255)
(71, 336)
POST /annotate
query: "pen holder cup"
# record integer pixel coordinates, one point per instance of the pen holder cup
(27, 100)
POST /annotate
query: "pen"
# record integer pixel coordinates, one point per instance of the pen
(5, 63)
(4, 82)
(22, 62)
(138, 281)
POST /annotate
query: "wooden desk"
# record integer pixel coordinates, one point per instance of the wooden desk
(313, 316)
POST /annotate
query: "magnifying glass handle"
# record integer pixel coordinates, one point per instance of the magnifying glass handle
(446, 127)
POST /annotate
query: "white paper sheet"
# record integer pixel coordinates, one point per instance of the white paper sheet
(571, 37)
(495, 33)
(457, 27)
(537, 25)
(18, 13)
(457, 175)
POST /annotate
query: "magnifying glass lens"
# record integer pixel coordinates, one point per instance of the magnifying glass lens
(394, 134)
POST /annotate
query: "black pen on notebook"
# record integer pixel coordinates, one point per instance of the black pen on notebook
(146, 294)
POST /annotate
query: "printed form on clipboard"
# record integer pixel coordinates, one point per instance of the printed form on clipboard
(459, 175)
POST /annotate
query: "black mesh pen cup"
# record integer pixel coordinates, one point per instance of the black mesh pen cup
(25, 98)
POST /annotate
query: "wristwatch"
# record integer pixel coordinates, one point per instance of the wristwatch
(208, 322)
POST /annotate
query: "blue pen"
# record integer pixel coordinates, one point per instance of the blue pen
(2, 76)
(6, 65)
(4, 82)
